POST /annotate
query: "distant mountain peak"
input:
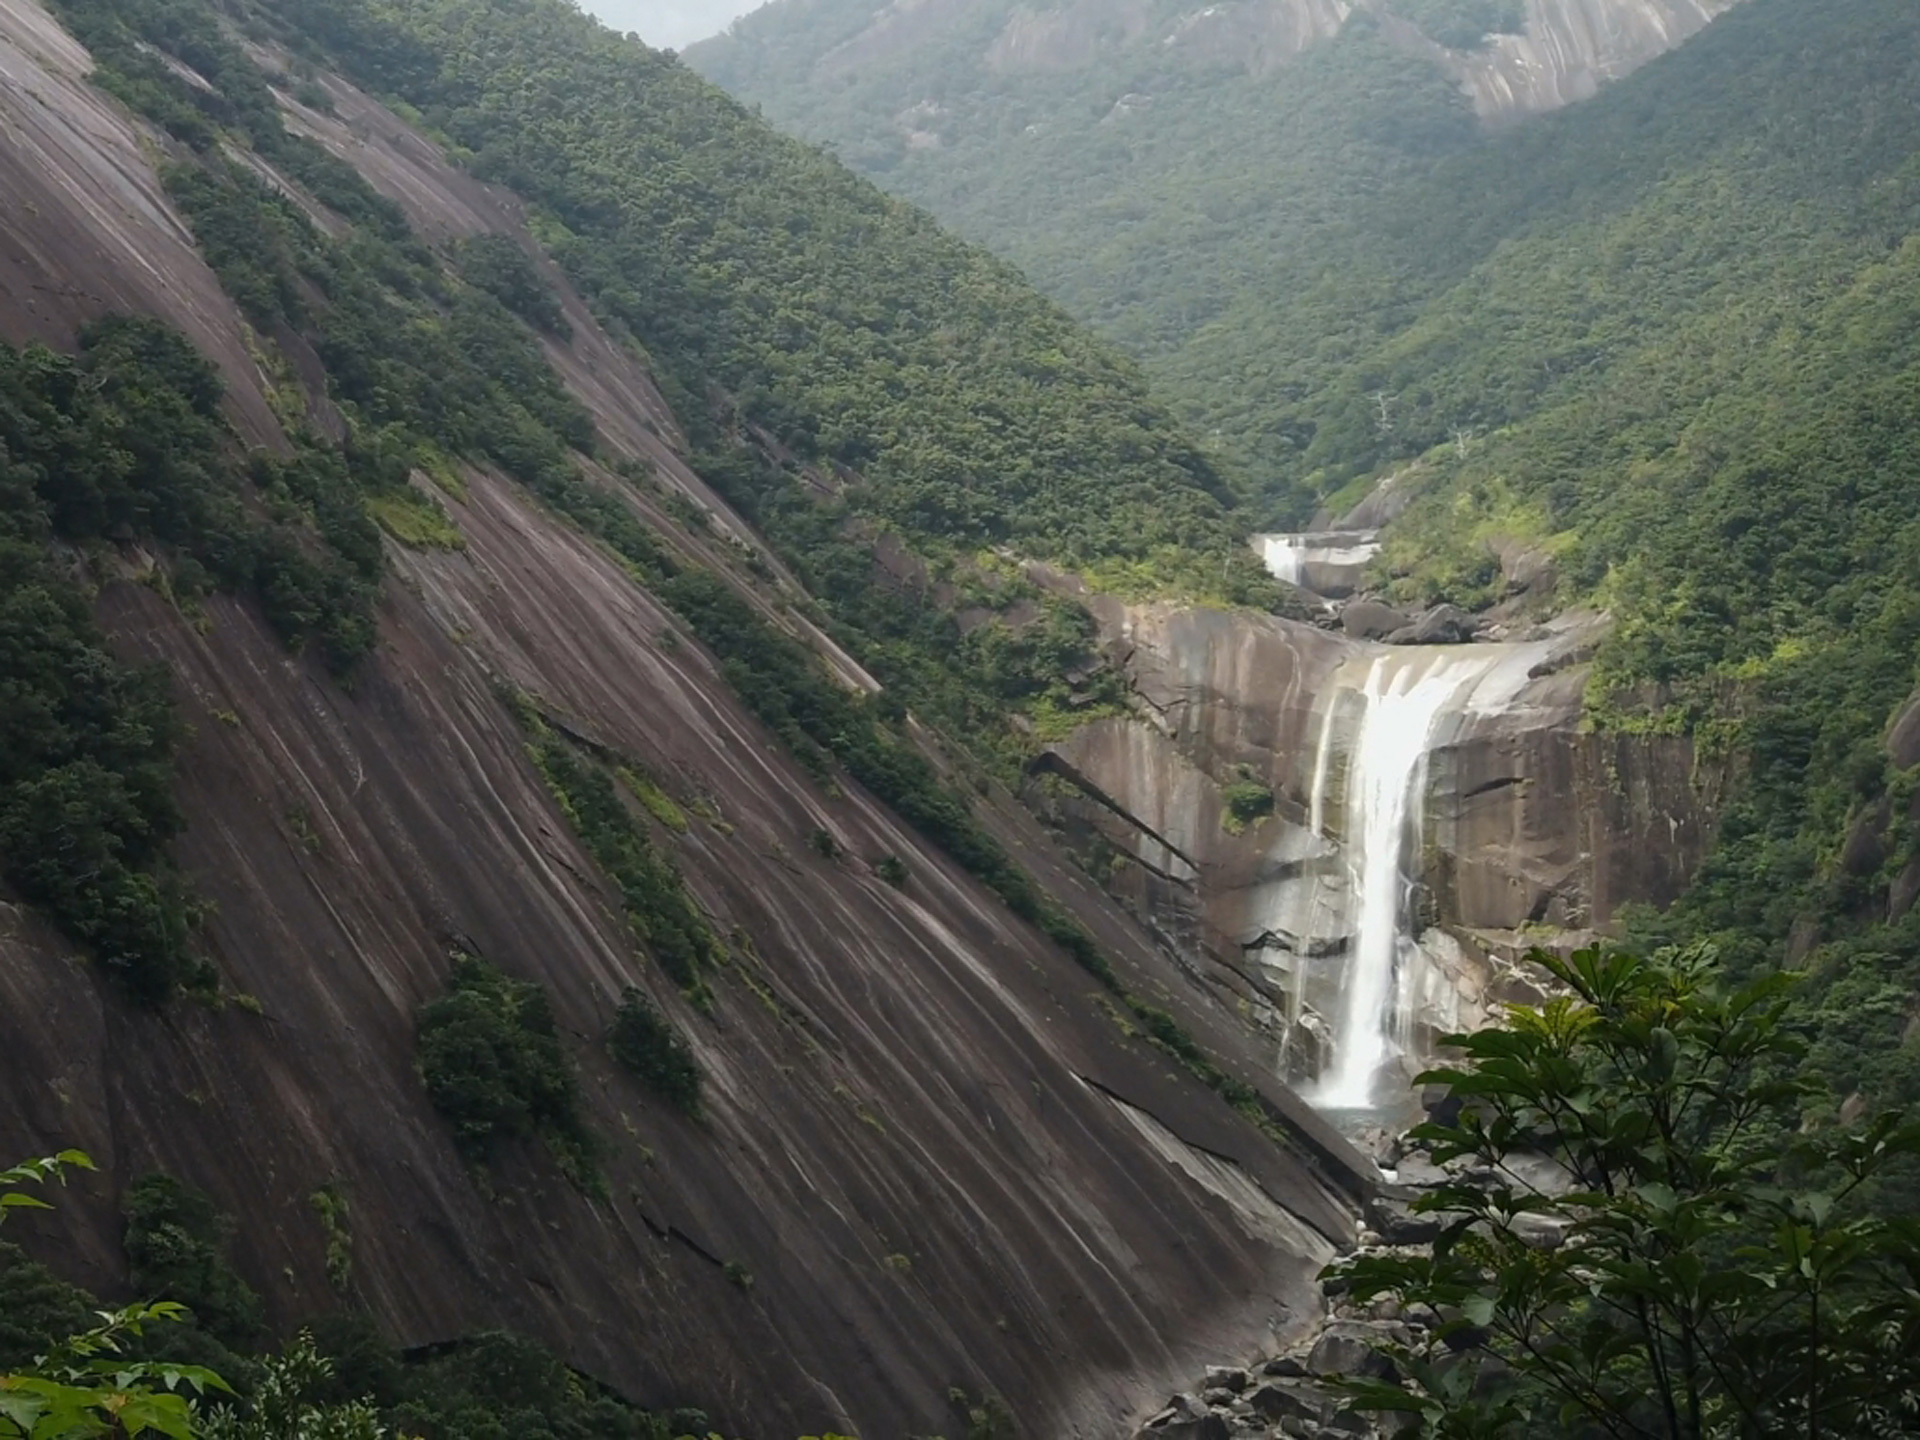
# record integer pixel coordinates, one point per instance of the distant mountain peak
(1512, 57)
(1568, 49)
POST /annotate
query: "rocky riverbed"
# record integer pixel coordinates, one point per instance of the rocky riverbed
(1297, 1394)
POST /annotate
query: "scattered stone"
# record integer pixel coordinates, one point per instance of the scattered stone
(1227, 1377)
(1284, 1367)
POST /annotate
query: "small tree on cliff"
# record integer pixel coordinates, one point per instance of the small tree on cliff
(1709, 1270)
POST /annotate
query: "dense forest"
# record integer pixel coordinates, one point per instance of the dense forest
(851, 333)
(1666, 337)
(1209, 204)
(843, 323)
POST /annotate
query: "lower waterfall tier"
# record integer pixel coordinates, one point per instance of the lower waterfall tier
(1532, 827)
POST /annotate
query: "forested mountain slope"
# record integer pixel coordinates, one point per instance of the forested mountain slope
(1660, 344)
(1196, 181)
(436, 826)
(1667, 341)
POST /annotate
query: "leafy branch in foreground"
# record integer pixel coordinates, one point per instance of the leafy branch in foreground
(88, 1386)
(1692, 1265)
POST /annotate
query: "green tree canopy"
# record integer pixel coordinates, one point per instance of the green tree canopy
(1646, 1240)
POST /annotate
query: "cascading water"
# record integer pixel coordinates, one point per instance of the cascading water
(1310, 560)
(1383, 717)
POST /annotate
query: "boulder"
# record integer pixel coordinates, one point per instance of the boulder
(1370, 620)
(1416, 1169)
(1350, 1422)
(1442, 625)
(1227, 1377)
(1379, 1143)
(1346, 1347)
(1187, 1418)
(1442, 1106)
(1285, 1367)
(1397, 1224)
(1168, 1425)
(1541, 1232)
(1903, 738)
(1274, 1402)
(1525, 568)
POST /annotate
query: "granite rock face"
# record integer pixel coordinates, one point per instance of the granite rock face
(890, 1071)
(1567, 50)
(1537, 830)
(1571, 48)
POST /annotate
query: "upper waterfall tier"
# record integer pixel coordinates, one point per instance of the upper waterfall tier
(1328, 563)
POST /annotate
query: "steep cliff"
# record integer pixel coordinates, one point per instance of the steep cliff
(1537, 829)
(1568, 49)
(927, 1156)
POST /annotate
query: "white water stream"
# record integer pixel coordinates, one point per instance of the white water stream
(1296, 559)
(1384, 715)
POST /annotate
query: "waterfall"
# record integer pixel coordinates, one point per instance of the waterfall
(1331, 558)
(1383, 718)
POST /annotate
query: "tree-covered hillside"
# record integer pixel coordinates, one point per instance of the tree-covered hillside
(1197, 200)
(1671, 337)
(845, 324)
(1667, 338)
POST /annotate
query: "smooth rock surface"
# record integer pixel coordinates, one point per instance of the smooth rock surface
(886, 1071)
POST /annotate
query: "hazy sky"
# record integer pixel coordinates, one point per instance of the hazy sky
(674, 23)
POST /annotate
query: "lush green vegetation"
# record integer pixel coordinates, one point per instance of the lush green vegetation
(1224, 225)
(70, 1370)
(1666, 337)
(662, 915)
(495, 264)
(1464, 24)
(649, 1048)
(1244, 803)
(428, 359)
(125, 442)
(494, 1065)
(176, 1250)
(845, 325)
(1707, 1269)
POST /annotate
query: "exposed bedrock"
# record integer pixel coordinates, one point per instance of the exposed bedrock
(1536, 828)
(1564, 51)
(924, 1136)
